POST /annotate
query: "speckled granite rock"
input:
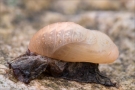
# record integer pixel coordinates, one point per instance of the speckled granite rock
(17, 27)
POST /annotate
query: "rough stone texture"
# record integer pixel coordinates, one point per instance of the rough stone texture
(18, 23)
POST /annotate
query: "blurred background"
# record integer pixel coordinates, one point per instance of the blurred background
(20, 19)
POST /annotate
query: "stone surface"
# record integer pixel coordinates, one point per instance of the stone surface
(17, 25)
